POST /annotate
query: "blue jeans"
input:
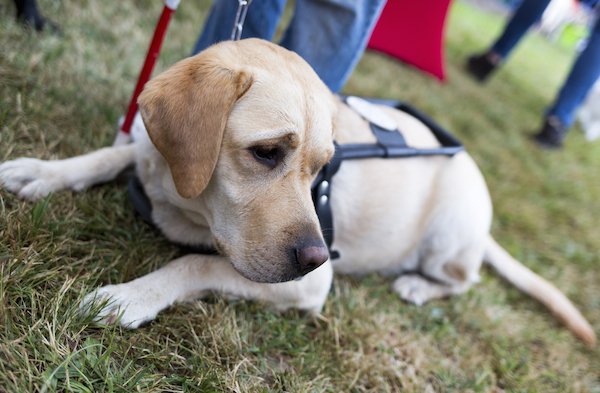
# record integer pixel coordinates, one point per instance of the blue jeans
(584, 73)
(331, 35)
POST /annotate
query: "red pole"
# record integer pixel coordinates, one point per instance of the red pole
(159, 35)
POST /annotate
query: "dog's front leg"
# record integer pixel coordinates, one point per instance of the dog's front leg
(33, 179)
(195, 276)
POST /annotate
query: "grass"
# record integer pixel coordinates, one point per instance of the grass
(62, 96)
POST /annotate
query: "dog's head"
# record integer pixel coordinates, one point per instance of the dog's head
(245, 127)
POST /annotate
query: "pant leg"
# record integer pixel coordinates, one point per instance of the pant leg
(584, 74)
(27, 11)
(261, 21)
(526, 15)
(331, 35)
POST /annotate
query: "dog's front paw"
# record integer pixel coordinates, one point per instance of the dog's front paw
(30, 178)
(126, 304)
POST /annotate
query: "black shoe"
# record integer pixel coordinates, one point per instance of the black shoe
(552, 134)
(28, 14)
(481, 66)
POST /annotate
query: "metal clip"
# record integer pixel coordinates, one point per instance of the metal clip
(240, 16)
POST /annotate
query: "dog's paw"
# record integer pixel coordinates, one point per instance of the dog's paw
(30, 178)
(413, 288)
(126, 304)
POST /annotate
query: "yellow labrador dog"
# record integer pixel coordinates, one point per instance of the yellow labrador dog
(235, 137)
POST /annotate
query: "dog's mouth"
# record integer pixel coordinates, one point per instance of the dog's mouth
(277, 264)
(269, 275)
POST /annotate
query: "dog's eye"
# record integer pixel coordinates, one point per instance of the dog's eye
(266, 154)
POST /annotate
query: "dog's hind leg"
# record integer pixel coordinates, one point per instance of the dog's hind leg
(33, 179)
(442, 277)
(196, 276)
(416, 289)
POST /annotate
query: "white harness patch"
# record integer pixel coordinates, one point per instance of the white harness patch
(371, 113)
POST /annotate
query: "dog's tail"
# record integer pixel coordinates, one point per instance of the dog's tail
(540, 289)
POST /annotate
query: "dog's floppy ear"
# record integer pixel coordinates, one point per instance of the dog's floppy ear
(185, 110)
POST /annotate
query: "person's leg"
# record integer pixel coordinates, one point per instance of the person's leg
(261, 21)
(331, 35)
(584, 73)
(525, 16)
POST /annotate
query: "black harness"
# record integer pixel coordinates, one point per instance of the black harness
(390, 144)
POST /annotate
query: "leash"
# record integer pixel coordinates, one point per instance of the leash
(240, 17)
(124, 133)
(390, 144)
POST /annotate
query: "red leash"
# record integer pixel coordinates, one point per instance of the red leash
(153, 51)
(123, 136)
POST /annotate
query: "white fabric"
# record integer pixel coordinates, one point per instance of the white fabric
(172, 4)
(589, 113)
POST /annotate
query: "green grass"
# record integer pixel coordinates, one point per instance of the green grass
(62, 96)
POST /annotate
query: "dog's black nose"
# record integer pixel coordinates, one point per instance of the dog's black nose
(311, 257)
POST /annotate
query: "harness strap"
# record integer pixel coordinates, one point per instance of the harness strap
(390, 144)
(388, 139)
(321, 190)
